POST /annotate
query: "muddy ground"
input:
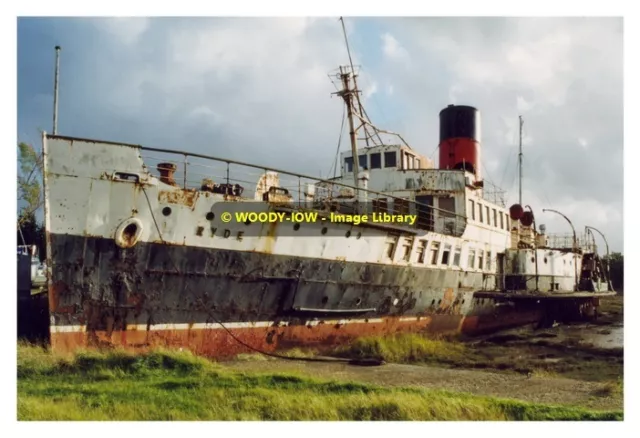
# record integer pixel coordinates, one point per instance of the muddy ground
(579, 365)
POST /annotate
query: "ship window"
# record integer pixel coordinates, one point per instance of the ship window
(422, 249)
(445, 255)
(401, 206)
(488, 217)
(472, 207)
(348, 164)
(501, 220)
(362, 162)
(472, 258)
(495, 218)
(488, 266)
(480, 258)
(392, 241)
(380, 205)
(390, 159)
(417, 163)
(376, 161)
(435, 249)
(480, 213)
(506, 219)
(408, 243)
(456, 256)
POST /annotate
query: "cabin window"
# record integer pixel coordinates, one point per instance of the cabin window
(445, 255)
(409, 160)
(392, 241)
(501, 220)
(380, 205)
(435, 249)
(472, 258)
(480, 258)
(376, 160)
(488, 265)
(362, 162)
(401, 206)
(456, 255)
(408, 244)
(480, 211)
(422, 250)
(488, 217)
(348, 164)
(506, 219)
(390, 159)
(472, 207)
(417, 163)
(495, 218)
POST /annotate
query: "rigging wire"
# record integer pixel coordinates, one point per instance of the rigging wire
(365, 361)
(334, 165)
(506, 167)
(386, 120)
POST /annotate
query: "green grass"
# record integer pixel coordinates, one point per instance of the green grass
(404, 348)
(167, 385)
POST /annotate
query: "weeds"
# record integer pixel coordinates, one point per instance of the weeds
(168, 385)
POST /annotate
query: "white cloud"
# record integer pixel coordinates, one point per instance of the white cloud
(392, 48)
(125, 30)
(454, 93)
(523, 105)
(370, 90)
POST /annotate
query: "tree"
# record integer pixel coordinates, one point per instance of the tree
(30, 197)
(29, 187)
(616, 268)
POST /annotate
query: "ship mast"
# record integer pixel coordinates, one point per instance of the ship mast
(520, 163)
(347, 94)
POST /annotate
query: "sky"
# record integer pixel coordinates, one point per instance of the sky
(257, 90)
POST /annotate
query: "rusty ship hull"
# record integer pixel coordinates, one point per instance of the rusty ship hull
(137, 260)
(144, 301)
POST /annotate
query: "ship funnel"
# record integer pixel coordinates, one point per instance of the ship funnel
(166, 173)
(460, 139)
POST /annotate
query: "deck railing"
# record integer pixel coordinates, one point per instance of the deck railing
(565, 241)
(194, 171)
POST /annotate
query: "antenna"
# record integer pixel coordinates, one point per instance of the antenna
(55, 92)
(520, 163)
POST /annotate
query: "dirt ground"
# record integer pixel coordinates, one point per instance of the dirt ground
(578, 365)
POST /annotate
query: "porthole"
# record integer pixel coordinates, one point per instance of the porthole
(166, 211)
(296, 227)
(347, 234)
(128, 233)
(325, 299)
(324, 230)
(359, 235)
(210, 216)
(545, 260)
(247, 222)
